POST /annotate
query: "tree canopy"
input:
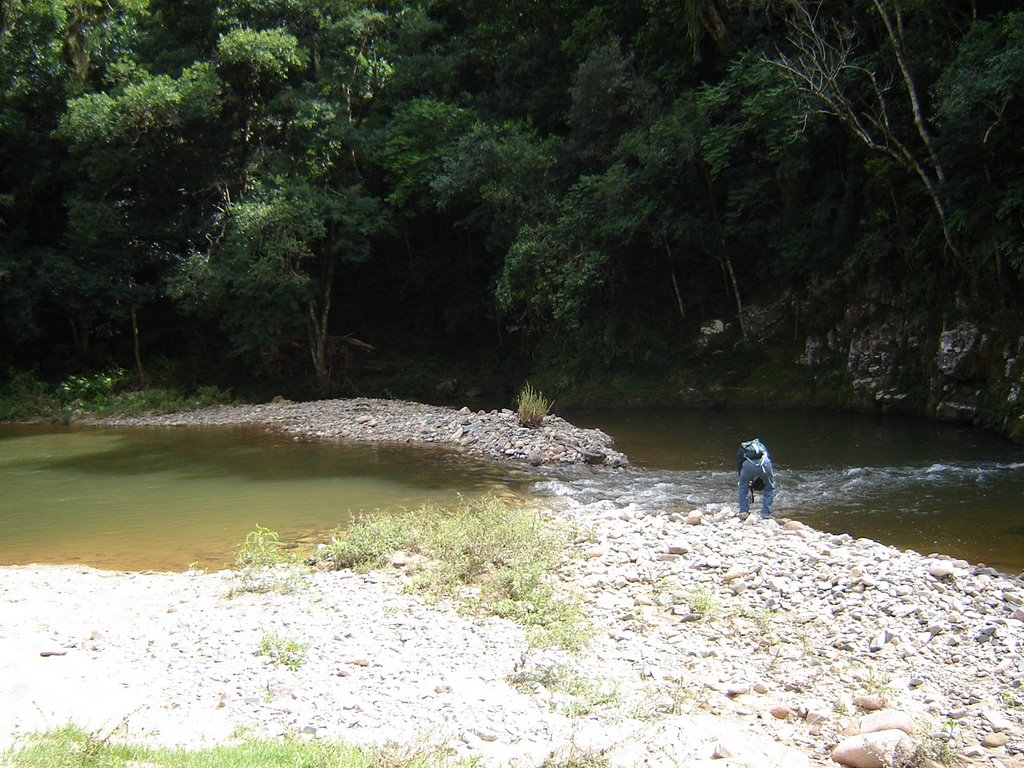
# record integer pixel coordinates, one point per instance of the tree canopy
(587, 180)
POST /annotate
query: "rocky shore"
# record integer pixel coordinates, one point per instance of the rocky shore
(494, 434)
(717, 641)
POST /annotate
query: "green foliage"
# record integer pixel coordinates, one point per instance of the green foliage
(577, 758)
(498, 178)
(704, 604)
(284, 651)
(564, 183)
(493, 558)
(282, 246)
(261, 566)
(144, 105)
(369, 543)
(23, 396)
(531, 406)
(575, 694)
(95, 389)
(415, 144)
(261, 549)
(258, 61)
(979, 102)
(71, 747)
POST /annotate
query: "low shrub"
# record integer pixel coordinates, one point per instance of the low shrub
(23, 396)
(107, 393)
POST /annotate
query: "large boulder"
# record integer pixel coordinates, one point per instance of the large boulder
(877, 749)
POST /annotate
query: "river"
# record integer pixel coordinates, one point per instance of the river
(910, 483)
(169, 498)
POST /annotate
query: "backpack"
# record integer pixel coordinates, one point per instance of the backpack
(753, 450)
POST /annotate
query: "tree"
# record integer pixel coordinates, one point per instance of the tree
(979, 105)
(275, 273)
(871, 97)
(128, 206)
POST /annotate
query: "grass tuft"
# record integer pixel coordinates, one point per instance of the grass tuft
(285, 651)
(261, 566)
(531, 407)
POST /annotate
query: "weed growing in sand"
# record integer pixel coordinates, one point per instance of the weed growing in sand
(577, 758)
(934, 749)
(667, 698)
(572, 693)
(489, 556)
(704, 604)
(262, 566)
(72, 747)
(371, 541)
(284, 651)
(1011, 699)
(876, 684)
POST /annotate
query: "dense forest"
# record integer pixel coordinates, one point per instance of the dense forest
(266, 189)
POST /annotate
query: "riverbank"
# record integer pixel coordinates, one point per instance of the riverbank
(717, 642)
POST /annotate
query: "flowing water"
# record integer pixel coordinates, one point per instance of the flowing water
(168, 498)
(905, 482)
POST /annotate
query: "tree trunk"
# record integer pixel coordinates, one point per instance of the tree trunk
(726, 263)
(679, 296)
(319, 326)
(137, 345)
(723, 253)
(79, 338)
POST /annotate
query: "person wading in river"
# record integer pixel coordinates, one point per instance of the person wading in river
(754, 465)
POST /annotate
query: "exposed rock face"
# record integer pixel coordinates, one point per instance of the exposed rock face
(974, 375)
(957, 382)
(956, 356)
(873, 362)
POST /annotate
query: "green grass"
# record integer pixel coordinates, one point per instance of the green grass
(261, 566)
(531, 406)
(72, 747)
(488, 556)
(285, 651)
(704, 603)
(575, 694)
